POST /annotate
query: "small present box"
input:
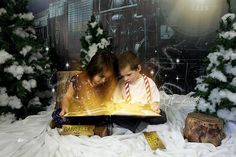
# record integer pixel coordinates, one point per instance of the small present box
(86, 130)
(153, 140)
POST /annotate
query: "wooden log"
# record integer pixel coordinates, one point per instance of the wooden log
(204, 128)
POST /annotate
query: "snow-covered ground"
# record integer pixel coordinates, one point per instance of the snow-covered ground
(32, 137)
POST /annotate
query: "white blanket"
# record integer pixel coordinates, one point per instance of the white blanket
(32, 137)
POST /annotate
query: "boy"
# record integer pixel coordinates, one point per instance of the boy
(135, 87)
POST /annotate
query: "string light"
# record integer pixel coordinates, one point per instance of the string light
(177, 60)
(47, 48)
(177, 78)
(152, 72)
(67, 65)
(53, 90)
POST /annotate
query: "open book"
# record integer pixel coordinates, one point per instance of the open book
(109, 109)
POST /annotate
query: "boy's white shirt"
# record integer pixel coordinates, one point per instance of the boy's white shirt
(137, 91)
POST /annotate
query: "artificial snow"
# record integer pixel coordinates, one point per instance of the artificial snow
(218, 75)
(230, 16)
(32, 137)
(213, 58)
(230, 69)
(32, 30)
(233, 83)
(199, 79)
(88, 37)
(228, 54)
(35, 56)
(227, 94)
(3, 96)
(93, 24)
(228, 35)
(28, 69)
(99, 31)
(202, 87)
(16, 70)
(226, 114)
(234, 26)
(2, 11)
(92, 50)
(28, 85)
(218, 94)
(26, 16)
(35, 101)
(7, 118)
(39, 68)
(21, 33)
(4, 56)
(25, 50)
(14, 102)
(203, 105)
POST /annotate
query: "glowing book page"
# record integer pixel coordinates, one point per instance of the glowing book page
(134, 110)
(108, 109)
(88, 110)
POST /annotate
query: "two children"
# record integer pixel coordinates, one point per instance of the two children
(133, 88)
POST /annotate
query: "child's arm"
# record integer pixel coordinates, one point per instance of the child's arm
(66, 99)
(156, 107)
(155, 97)
(117, 95)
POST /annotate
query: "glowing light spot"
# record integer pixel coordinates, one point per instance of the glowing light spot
(67, 65)
(177, 78)
(53, 90)
(152, 72)
(177, 60)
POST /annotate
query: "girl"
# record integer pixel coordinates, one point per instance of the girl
(88, 89)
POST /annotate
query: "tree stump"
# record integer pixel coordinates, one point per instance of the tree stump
(204, 128)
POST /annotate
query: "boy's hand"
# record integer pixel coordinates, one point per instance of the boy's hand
(155, 107)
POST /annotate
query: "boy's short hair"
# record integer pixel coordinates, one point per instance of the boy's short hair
(128, 58)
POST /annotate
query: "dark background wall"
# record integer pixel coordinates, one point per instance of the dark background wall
(170, 36)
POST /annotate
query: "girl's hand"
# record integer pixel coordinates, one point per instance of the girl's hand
(64, 110)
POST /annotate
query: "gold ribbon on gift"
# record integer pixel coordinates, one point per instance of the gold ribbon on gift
(87, 130)
(153, 140)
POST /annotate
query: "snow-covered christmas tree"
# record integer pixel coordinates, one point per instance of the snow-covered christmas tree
(95, 39)
(217, 89)
(23, 61)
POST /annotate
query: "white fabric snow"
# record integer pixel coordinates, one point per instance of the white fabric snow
(32, 137)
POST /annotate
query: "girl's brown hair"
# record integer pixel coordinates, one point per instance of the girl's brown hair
(101, 61)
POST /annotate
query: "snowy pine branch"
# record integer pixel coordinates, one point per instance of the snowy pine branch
(94, 40)
(217, 89)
